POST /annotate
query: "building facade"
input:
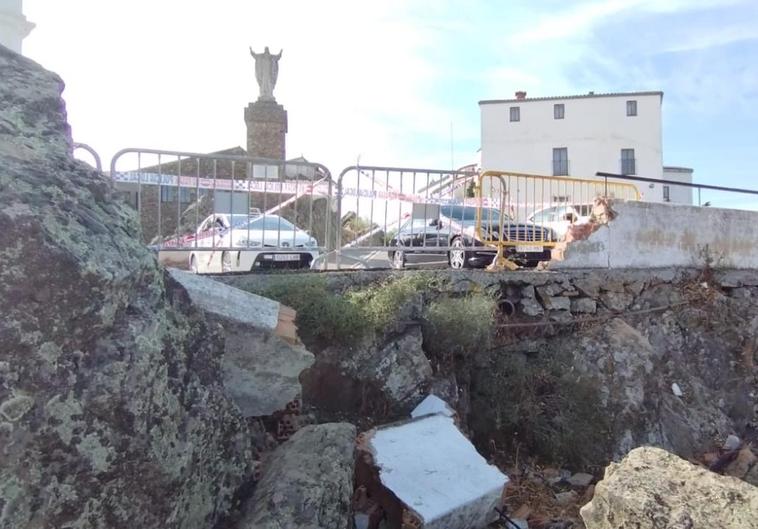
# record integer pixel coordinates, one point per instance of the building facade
(576, 136)
(675, 193)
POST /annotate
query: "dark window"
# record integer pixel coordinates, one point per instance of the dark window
(467, 213)
(631, 108)
(666, 194)
(560, 161)
(627, 162)
(558, 111)
(515, 114)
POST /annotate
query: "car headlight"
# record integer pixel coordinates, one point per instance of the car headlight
(244, 241)
(311, 242)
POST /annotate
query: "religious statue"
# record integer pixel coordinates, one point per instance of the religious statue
(266, 71)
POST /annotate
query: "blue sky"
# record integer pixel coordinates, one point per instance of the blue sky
(384, 80)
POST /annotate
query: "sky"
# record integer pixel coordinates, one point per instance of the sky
(397, 82)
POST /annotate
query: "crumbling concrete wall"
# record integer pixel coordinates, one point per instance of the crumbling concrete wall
(653, 235)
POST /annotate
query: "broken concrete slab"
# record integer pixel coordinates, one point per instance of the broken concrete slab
(431, 405)
(262, 358)
(227, 302)
(426, 472)
(307, 482)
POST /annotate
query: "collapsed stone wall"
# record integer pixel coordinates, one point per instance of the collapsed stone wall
(580, 367)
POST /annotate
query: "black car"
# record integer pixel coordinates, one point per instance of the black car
(450, 237)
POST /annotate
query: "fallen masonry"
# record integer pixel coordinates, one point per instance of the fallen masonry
(424, 473)
(262, 358)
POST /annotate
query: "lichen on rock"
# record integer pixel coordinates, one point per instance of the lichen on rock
(112, 405)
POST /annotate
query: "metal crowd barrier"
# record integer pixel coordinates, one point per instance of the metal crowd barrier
(375, 202)
(227, 212)
(276, 210)
(536, 211)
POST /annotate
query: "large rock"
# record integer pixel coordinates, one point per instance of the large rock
(307, 483)
(112, 412)
(372, 381)
(653, 489)
(642, 409)
(261, 365)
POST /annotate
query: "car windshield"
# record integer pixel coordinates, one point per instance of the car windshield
(268, 222)
(467, 214)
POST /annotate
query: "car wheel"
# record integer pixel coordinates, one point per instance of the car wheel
(398, 259)
(193, 265)
(226, 262)
(457, 256)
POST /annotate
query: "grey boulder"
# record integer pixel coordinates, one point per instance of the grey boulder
(307, 483)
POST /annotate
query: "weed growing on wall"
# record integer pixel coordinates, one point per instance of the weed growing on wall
(323, 317)
(459, 325)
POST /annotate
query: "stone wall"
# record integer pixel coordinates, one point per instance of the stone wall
(584, 364)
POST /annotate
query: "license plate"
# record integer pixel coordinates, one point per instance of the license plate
(286, 257)
(528, 249)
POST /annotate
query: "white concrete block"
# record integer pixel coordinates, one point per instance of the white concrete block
(435, 471)
(431, 405)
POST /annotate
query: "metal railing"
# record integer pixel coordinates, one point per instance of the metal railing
(227, 212)
(96, 157)
(535, 211)
(376, 203)
(681, 192)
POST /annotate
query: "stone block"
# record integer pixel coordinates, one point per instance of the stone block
(266, 130)
(531, 307)
(557, 303)
(262, 362)
(616, 301)
(583, 306)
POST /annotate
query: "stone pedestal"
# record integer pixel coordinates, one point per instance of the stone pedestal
(266, 129)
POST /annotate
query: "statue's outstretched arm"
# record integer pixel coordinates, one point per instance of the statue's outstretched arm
(280, 54)
(252, 52)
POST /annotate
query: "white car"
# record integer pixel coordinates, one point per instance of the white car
(559, 218)
(264, 241)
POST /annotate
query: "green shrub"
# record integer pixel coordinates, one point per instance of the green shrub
(383, 303)
(323, 317)
(459, 325)
(536, 404)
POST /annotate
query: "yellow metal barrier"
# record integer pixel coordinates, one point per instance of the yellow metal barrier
(531, 213)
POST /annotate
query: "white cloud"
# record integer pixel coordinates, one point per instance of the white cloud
(579, 19)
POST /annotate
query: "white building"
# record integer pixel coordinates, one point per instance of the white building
(14, 26)
(578, 136)
(673, 193)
